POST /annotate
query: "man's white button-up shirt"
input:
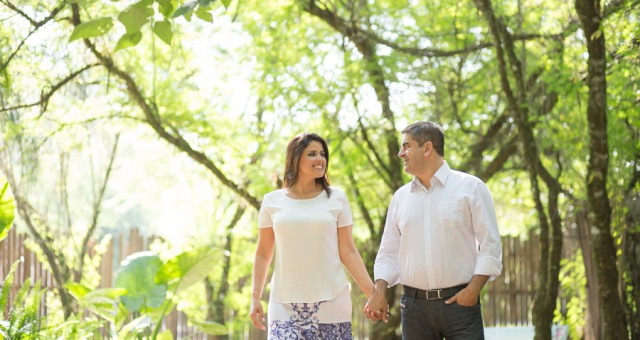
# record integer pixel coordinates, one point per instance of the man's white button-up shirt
(440, 237)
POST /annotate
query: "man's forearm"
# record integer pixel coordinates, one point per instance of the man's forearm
(381, 285)
(477, 282)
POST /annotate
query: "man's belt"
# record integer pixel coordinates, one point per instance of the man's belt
(433, 294)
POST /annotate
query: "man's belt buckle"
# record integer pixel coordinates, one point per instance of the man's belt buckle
(434, 294)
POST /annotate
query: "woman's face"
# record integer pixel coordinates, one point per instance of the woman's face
(313, 161)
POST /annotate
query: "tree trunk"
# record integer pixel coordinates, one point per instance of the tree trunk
(555, 254)
(631, 262)
(512, 77)
(593, 325)
(604, 250)
(392, 166)
(216, 299)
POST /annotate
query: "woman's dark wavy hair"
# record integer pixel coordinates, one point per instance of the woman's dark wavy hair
(294, 151)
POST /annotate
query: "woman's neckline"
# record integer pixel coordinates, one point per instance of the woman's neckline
(286, 194)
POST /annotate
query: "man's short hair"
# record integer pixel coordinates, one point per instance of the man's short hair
(423, 132)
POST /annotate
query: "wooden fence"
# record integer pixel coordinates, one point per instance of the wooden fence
(507, 301)
(509, 297)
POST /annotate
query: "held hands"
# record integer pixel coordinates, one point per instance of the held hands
(257, 313)
(377, 307)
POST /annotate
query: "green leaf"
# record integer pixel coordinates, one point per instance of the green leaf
(158, 313)
(128, 40)
(203, 13)
(187, 268)
(166, 7)
(7, 207)
(226, 3)
(103, 302)
(7, 285)
(163, 30)
(92, 29)
(77, 290)
(135, 16)
(166, 335)
(185, 10)
(137, 276)
(134, 327)
(210, 327)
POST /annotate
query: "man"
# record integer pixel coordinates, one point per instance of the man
(440, 241)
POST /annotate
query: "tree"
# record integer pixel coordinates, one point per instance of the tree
(501, 79)
(65, 266)
(615, 326)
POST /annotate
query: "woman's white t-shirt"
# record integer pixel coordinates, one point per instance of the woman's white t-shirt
(307, 262)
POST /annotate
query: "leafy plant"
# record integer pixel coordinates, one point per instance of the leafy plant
(137, 277)
(7, 207)
(139, 14)
(22, 321)
(145, 291)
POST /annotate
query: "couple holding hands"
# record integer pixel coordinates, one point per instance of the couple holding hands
(440, 241)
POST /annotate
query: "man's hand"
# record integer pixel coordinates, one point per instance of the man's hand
(466, 297)
(377, 307)
(469, 295)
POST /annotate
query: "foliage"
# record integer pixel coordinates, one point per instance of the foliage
(7, 207)
(573, 282)
(137, 277)
(136, 16)
(22, 321)
(147, 287)
(282, 70)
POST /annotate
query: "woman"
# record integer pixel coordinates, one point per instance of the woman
(309, 225)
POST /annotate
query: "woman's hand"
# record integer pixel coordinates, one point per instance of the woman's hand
(256, 313)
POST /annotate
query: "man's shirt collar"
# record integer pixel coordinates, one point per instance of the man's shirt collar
(440, 176)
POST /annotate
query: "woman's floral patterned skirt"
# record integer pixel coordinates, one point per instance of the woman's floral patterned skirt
(325, 320)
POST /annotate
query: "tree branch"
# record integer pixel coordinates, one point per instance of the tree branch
(33, 22)
(153, 119)
(97, 203)
(438, 53)
(58, 270)
(372, 147)
(44, 97)
(5, 64)
(506, 151)
(376, 77)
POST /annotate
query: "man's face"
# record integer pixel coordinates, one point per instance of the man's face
(412, 154)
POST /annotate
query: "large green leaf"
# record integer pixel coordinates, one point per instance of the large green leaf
(77, 290)
(102, 302)
(187, 268)
(185, 10)
(137, 276)
(7, 207)
(203, 13)
(135, 16)
(128, 40)
(137, 326)
(166, 7)
(91, 29)
(210, 327)
(163, 30)
(166, 335)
